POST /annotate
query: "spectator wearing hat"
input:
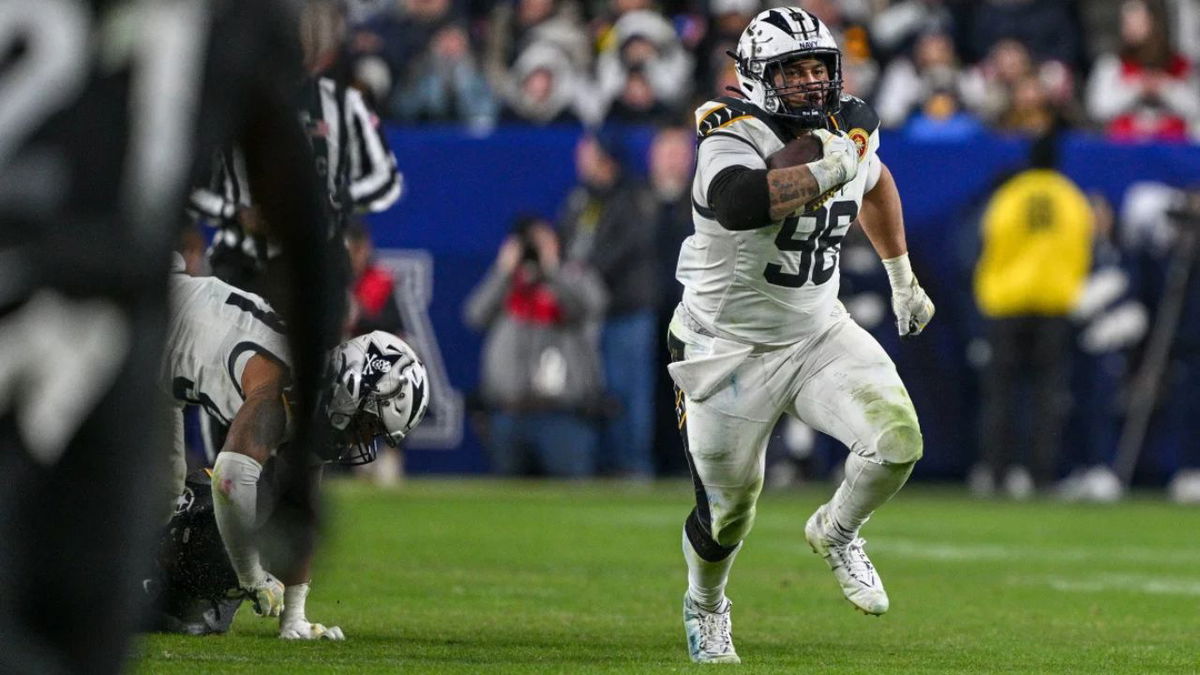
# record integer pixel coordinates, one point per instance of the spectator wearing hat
(515, 26)
(542, 88)
(645, 67)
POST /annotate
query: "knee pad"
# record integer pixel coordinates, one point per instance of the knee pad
(898, 440)
(900, 443)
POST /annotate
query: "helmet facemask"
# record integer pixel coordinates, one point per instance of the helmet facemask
(808, 114)
(358, 442)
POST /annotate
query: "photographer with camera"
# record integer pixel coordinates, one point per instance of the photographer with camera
(541, 382)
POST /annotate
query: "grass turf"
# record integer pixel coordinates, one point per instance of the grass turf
(471, 575)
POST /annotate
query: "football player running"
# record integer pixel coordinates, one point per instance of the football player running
(760, 332)
(226, 352)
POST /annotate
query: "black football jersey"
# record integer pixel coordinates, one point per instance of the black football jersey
(105, 108)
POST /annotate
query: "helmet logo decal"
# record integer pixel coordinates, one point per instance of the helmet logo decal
(808, 24)
(376, 365)
(776, 18)
(418, 398)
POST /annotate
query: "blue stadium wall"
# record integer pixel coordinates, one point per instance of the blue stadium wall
(463, 190)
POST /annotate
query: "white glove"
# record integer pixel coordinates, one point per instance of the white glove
(839, 161)
(911, 304)
(266, 595)
(303, 630)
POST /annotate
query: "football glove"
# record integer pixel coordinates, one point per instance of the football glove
(266, 596)
(910, 303)
(839, 161)
(303, 630)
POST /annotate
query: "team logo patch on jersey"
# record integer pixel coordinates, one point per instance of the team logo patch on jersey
(860, 138)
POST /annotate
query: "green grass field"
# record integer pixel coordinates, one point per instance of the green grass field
(470, 576)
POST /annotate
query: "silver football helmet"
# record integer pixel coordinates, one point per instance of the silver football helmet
(779, 36)
(378, 391)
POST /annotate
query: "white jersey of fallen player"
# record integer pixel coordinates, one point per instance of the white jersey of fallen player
(213, 332)
(776, 284)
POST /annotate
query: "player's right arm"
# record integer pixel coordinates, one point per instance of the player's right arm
(790, 188)
(744, 194)
(259, 426)
(261, 423)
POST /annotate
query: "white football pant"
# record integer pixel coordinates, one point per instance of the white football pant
(840, 382)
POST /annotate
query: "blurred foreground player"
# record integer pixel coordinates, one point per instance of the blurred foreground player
(760, 331)
(106, 108)
(226, 353)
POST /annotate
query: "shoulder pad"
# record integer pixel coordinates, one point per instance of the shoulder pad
(857, 114)
(722, 112)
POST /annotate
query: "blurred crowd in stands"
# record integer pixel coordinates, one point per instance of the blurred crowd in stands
(940, 68)
(574, 308)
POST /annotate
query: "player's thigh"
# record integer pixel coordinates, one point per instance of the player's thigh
(726, 433)
(726, 455)
(858, 398)
(726, 450)
(726, 428)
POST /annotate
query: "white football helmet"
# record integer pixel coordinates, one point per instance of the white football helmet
(779, 36)
(378, 390)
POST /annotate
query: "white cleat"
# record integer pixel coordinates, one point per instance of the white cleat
(851, 566)
(709, 634)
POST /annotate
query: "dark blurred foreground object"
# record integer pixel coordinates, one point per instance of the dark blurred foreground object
(104, 130)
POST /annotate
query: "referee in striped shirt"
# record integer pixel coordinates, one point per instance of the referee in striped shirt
(352, 159)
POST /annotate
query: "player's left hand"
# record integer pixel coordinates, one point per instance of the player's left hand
(266, 595)
(911, 304)
(913, 309)
(303, 630)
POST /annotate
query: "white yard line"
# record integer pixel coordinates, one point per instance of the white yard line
(956, 552)
(1118, 582)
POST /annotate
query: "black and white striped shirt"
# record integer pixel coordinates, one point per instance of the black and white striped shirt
(352, 158)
